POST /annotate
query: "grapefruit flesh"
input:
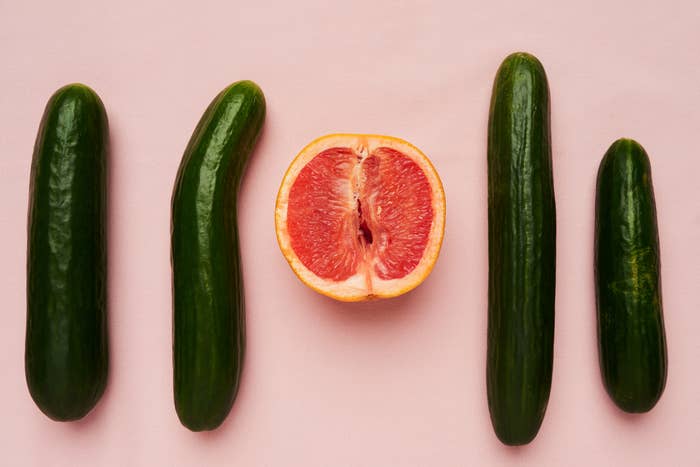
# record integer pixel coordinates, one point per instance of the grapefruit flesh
(360, 216)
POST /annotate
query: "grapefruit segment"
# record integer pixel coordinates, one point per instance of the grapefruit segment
(360, 216)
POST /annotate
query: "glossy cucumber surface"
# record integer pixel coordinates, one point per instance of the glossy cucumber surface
(208, 299)
(66, 348)
(631, 336)
(522, 244)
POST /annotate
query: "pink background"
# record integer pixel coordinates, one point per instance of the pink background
(398, 382)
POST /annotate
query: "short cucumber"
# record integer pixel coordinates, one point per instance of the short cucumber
(208, 302)
(66, 337)
(631, 336)
(522, 242)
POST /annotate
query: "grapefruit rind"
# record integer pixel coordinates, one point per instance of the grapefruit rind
(356, 287)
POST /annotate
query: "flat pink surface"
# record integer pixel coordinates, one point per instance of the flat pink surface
(393, 383)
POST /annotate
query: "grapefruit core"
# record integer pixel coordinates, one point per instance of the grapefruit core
(360, 216)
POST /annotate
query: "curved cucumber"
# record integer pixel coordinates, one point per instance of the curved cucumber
(631, 337)
(66, 339)
(208, 305)
(522, 243)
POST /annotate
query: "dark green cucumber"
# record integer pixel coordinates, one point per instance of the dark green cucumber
(522, 244)
(631, 337)
(66, 339)
(208, 302)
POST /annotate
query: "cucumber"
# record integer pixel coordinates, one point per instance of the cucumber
(208, 301)
(522, 244)
(66, 355)
(631, 336)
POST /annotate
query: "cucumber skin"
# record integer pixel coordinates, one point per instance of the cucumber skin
(66, 345)
(208, 301)
(631, 335)
(522, 246)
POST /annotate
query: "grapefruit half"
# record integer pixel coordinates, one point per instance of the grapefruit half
(360, 216)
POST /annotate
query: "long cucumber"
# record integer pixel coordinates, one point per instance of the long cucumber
(522, 244)
(66, 355)
(208, 300)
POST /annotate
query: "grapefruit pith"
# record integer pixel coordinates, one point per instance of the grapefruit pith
(360, 216)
